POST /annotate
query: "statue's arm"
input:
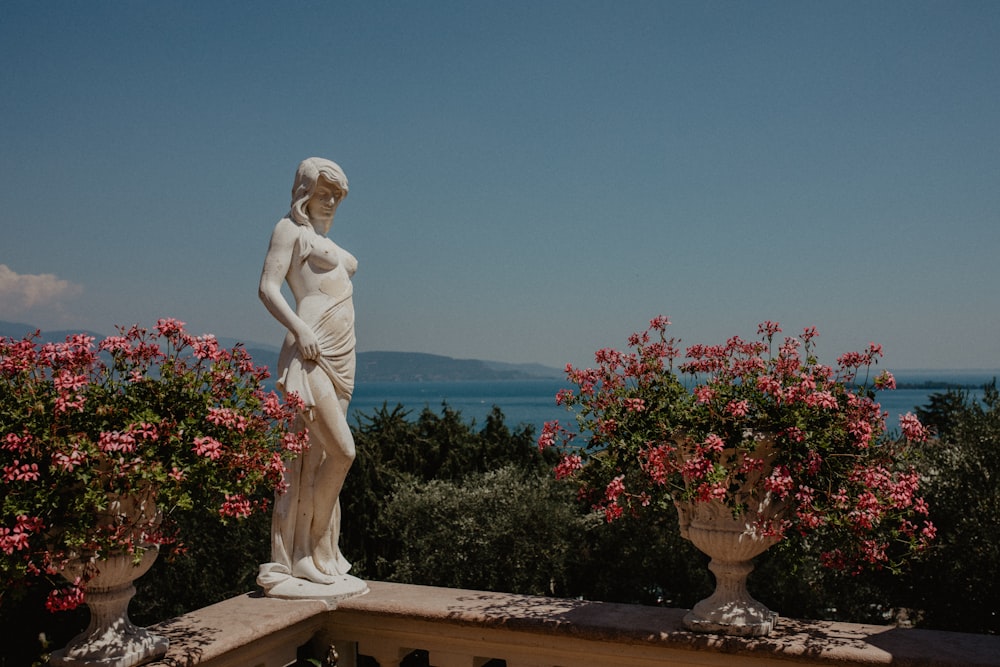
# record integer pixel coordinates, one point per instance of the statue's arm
(276, 265)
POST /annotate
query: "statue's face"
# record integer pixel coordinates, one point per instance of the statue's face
(323, 202)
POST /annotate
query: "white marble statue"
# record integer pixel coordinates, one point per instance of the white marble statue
(317, 362)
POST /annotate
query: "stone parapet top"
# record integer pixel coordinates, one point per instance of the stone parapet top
(815, 642)
(251, 630)
(251, 623)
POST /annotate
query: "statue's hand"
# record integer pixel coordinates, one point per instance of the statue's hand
(308, 345)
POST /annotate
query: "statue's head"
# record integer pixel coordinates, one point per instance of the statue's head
(310, 172)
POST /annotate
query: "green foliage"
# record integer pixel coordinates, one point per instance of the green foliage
(639, 560)
(508, 530)
(393, 450)
(958, 587)
(437, 502)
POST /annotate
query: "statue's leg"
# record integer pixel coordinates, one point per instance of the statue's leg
(331, 449)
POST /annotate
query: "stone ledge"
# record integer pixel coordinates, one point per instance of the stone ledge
(809, 642)
(254, 631)
(247, 630)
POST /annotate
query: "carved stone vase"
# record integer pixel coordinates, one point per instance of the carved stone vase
(732, 542)
(111, 640)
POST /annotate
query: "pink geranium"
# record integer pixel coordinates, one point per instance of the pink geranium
(740, 422)
(162, 414)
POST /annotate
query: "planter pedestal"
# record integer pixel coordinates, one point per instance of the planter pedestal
(732, 543)
(111, 640)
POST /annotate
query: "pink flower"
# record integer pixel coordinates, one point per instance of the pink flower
(821, 399)
(550, 430)
(929, 531)
(568, 465)
(18, 538)
(236, 506)
(168, 326)
(615, 488)
(656, 462)
(115, 344)
(779, 482)
(65, 599)
(208, 447)
(69, 462)
(68, 402)
(696, 468)
(710, 491)
(635, 404)
(912, 429)
(794, 434)
(144, 431)
(295, 441)
(738, 408)
(713, 443)
(873, 551)
(20, 472)
(115, 441)
(205, 347)
(885, 380)
(15, 443)
(768, 328)
(659, 323)
(228, 418)
(564, 396)
(862, 431)
(607, 426)
(769, 385)
(704, 394)
(67, 381)
(612, 511)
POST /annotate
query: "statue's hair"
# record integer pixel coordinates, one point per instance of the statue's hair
(306, 177)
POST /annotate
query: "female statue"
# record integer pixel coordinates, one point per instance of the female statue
(317, 362)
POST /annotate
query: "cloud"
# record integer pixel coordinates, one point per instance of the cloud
(25, 291)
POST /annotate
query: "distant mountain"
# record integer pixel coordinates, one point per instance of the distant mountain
(372, 366)
(20, 330)
(420, 367)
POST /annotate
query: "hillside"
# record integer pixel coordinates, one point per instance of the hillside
(416, 367)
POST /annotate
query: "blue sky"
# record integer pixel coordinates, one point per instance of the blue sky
(530, 181)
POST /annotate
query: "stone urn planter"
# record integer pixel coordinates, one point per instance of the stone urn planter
(111, 640)
(732, 542)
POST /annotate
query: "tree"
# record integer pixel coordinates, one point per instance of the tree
(958, 586)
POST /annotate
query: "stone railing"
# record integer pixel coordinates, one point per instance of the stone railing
(442, 627)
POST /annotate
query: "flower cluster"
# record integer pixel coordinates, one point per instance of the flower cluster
(748, 424)
(102, 445)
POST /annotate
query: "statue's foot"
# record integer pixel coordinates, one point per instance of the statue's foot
(305, 568)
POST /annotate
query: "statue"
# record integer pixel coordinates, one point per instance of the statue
(317, 362)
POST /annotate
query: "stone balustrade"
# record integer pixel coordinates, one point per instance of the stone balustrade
(446, 627)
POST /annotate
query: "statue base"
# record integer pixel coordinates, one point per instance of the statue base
(278, 584)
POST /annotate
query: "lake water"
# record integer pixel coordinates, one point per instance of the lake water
(533, 401)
